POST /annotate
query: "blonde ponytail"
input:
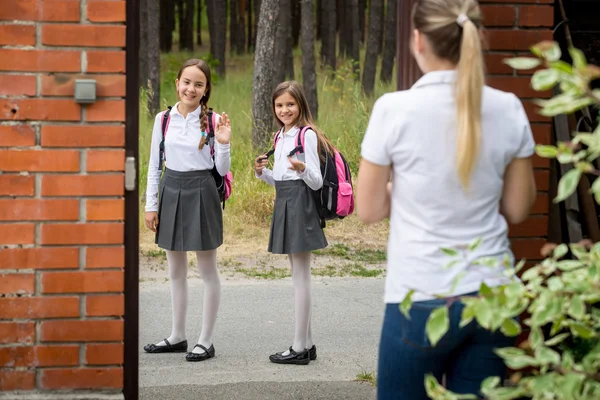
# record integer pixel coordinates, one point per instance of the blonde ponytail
(469, 87)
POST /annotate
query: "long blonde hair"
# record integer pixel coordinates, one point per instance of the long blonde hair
(458, 41)
(305, 116)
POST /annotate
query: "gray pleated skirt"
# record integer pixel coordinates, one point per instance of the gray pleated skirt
(189, 212)
(295, 227)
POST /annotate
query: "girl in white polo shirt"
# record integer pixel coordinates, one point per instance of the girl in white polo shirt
(460, 153)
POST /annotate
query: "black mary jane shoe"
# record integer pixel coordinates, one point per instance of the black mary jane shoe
(180, 347)
(208, 353)
(312, 353)
(296, 358)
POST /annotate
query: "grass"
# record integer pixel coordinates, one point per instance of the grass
(368, 256)
(343, 116)
(368, 377)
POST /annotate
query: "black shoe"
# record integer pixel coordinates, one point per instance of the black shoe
(180, 347)
(297, 358)
(208, 353)
(312, 353)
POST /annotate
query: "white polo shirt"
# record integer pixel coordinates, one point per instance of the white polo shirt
(415, 132)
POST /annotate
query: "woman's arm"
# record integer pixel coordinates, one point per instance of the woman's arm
(373, 192)
(519, 191)
(222, 146)
(153, 171)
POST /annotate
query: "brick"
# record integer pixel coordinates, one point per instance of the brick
(56, 356)
(83, 136)
(39, 307)
(541, 204)
(532, 227)
(17, 185)
(105, 160)
(38, 210)
(105, 210)
(83, 35)
(39, 60)
(17, 234)
(541, 133)
(104, 354)
(64, 84)
(107, 110)
(100, 233)
(105, 257)
(18, 85)
(36, 10)
(105, 306)
(39, 258)
(542, 179)
(83, 185)
(82, 331)
(105, 61)
(532, 112)
(39, 160)
(17, 332)
(17, 283)
(515, 39)
(498, 15)
(539, 162)
(82, 282)
(520, 86)
(87, 378)
(106, 11)
(39, 110)
(536, 16)
(16, 135)
(17, 35)
(527, 248)
(16, 380)
(19, 356)
(494, 63)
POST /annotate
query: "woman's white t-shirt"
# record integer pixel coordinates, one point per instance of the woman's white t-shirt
(414, 131)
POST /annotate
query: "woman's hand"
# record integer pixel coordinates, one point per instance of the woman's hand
(259, 163)
(297, 166)
(223, 129)
(151, 219)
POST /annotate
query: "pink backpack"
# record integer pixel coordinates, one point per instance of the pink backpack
(335, 199)
(224, 183)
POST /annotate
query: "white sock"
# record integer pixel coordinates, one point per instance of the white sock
(178, 269)
(301, 280)
(207, 265)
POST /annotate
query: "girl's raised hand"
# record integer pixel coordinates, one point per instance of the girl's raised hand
(297, 166)
(259, 163)
(223, 129)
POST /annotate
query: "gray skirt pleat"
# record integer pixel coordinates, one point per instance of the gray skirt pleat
(295, 227)
(189, 212)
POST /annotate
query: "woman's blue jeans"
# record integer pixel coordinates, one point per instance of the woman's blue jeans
(464, 355)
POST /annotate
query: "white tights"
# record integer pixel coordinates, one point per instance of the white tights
(178, 267)
(300, 263)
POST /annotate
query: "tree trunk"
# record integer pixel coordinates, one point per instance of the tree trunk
(233, 25)
(241, 36)
(296, 21)
(180, 4)
(328, 31)
(373, 42)
(167, 24)
(284, 65)
(342, 29)
(143, 49)
(210, 14)
(354, 37)
(199, 18)
(309, 75)
(255, 23)
(389, 42)
(263, 74)
(154, 57)
(221, 34)
(250, 35)
(362, 6)
(319, 17)
(187, 41)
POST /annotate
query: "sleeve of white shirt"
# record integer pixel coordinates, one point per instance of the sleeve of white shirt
(222, 154)
(312, 173)
(527, 143)
(374, 146)
(266, 176)
(153, 171)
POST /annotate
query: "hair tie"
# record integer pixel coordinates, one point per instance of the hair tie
(461, 19)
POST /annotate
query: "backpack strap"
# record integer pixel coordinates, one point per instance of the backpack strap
(275, 140)
(166, 118)
(211, 122)
(299, 141)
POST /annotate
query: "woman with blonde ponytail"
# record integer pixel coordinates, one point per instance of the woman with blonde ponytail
(460, 153)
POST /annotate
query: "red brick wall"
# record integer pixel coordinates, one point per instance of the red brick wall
(512, 27)
(61, 195)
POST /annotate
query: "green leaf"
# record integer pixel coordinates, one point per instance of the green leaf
(577, 308)
(596, 189)
(550, 50)
(468, 313)
(485, 290)
(450, 252)
(556, 339)
(579, 61)
(568, 184)
(560, 251)
(452, 264)
(569, 265)
(475, 244)
(581, 330)
(490, 262)
(536, 337)
(510, 327)
(562, 66)
(522, 62)
(483, 313)
(406, 304)
(437, 325)
(546, 355)
(504, 393)
(490, 382)
(544, 79)
(546, 151)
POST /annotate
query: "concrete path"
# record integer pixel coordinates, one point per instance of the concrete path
(255, 320)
